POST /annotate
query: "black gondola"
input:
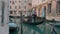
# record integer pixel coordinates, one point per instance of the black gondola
(38, 21)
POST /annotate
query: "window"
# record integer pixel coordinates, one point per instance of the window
(15, 7)
(12, 2)
(49, 8)
(25, 7)
(19, 7)
(25, 1)
(25, 12)
(10, 7)
(58, 8)
(19, 1)
(43, 0)
(30, 4)
(11, 12)
(45, 8)
(15, 1)
(14, 12)
(19, 12)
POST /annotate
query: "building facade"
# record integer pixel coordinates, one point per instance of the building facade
(4, 17)
(54, 10)
(48, 8)
(16, 6)
(19, 6)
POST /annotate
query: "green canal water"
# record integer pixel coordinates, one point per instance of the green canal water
(37, 29)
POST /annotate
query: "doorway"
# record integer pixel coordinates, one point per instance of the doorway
(44, 12)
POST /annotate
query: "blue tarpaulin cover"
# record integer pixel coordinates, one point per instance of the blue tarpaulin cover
(12, 25)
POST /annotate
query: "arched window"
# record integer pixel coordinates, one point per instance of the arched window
(58, 8)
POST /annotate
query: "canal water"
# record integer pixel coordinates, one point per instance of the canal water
(36, 29)
(44, 28)
(39, 29)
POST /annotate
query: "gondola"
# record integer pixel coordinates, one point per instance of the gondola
(29, 21)
(34, 23)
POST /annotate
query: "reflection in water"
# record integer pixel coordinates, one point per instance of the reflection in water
(31, 29)
(39, 29)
